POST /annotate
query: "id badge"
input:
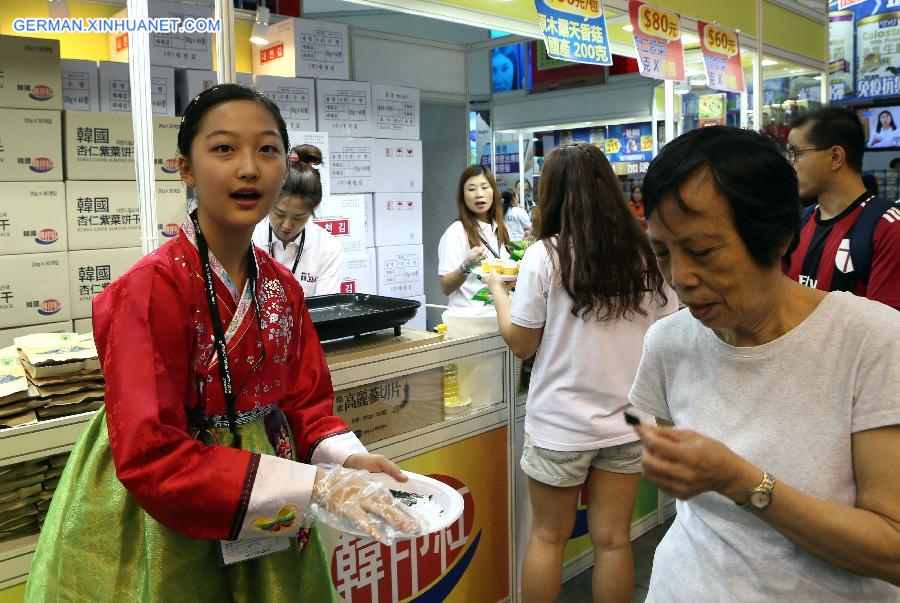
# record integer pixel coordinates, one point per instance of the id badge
(235, 551)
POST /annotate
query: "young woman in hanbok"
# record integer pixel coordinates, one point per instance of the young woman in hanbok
(194, 482)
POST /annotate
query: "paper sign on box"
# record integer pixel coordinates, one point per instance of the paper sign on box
(344, 216)
(30, 145)
(91, 271)
(352, 165)
(398, 166)
(304, 48)
(320, 141)
(34, 289)
(189, 83)
(357, 276)
(80, 85)
(115, 88)
(344, 107)
(400, 271)
(102, 214)
(398, 219)
(192, 50)
(165, 147)
(32, 217)
(31, 73)
(419, 322)
(171, 209)
(396, 111)
(295, 97)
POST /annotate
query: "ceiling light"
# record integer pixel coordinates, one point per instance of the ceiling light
(260, 33)
(818, 78)
(768, 62)
(59, 9)
(628, 27)
(690, 39)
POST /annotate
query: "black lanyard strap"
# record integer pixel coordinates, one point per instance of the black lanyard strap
(488, 245)
(299, 250)
(216, 319)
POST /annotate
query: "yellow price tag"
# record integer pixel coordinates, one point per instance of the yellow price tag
(590, 9)
(659, 23)
(646, 143)
(612, 145)
(720, 40)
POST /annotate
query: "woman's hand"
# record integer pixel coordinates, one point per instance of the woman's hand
(498, 285)
(374, 463)
(684, 464)
(475, 255)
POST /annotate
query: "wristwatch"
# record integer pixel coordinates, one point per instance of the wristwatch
(760, 497)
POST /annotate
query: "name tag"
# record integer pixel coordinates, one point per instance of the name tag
(235, 551)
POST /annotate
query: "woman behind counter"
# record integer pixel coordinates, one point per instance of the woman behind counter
(478, 233)
(312, 254)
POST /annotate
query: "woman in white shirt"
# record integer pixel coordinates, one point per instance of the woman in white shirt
(477, 234)
(315, 257)
(586, 294)
(517, 221)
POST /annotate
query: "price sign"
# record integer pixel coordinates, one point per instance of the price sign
(612, 146)
(589, 9)
(574, 30)
(657, 39)
(721, 50)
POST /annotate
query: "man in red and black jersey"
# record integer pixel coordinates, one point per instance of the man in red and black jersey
(826, 148)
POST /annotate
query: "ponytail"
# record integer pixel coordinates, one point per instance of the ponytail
(303, 179)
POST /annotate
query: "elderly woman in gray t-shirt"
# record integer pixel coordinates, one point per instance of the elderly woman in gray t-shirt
(779, 405)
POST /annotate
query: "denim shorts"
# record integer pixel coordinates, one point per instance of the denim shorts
(564, 469)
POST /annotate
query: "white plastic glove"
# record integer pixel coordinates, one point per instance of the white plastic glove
(349, 500)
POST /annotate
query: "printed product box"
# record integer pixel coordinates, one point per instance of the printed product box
(189, 83)
(304, 48)
(392, 406)
(100, 146)
(191, 50)
(352, 165)
(171, 209)
(344, 107)
(370, 220)
(395, 112)
(91, 271)
(83, 325)
(34, 289)
(419, 321)
(102, 214)
(373, 268)
(357, 273)
(30, 69)
(115, 88)
(8, 335)
(320, 141)
(398, 166)
(398, 219)
(400, 271)
(344, 216)
(30, 145)
(295, 97)
(80, 85)
(32, 217)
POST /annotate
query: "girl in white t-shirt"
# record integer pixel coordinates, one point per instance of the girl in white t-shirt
(477, 234)
(314, 256)
(588, 290)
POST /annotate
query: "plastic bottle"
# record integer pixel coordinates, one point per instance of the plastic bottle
(451, 378)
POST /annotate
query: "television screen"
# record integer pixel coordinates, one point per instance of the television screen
(508, 68)
(882, 126)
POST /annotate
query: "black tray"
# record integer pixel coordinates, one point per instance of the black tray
(347, 314)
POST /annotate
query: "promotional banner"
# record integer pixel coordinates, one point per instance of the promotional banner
(466, 562)
(711, 110)
(863, 49)
(722, 57)
(574, 30)
(657, 38)
(629, 142)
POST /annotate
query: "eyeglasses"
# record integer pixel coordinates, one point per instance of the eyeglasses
(792, 153)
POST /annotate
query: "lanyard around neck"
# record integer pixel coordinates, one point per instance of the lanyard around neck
(299, 248)
(496, 254)
(216, 318)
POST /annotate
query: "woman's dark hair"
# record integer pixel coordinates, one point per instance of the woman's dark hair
(303, 180)
(468, 219)
(836, 127)
(602, 255)
(748, 169)
(508, 197)
(209, 98)
(891, 125)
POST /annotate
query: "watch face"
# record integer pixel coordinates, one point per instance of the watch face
(760, 500)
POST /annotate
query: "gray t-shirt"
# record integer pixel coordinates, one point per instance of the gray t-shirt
(790, 407)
